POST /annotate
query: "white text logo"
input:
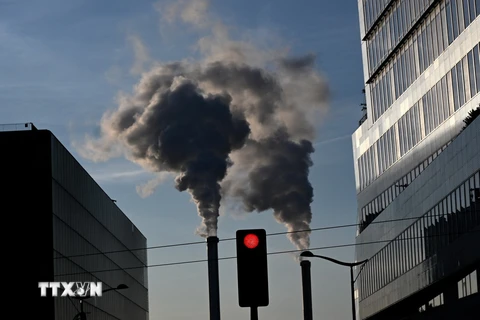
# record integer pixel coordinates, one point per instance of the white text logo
(71, 289)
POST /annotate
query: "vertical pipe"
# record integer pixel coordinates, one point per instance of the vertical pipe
(307, 290)
(213, 278)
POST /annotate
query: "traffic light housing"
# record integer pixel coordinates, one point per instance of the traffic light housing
(252, 268)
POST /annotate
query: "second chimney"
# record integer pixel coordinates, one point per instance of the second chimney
(307, 290)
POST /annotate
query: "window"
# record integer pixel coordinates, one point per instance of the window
(461, 23)
(474, 9)
(448, 11)
(474, 282)
(456, 98)
(386, 197)
(466, 14)
(437, 301)
(454, 15)
(421, 51)
(435, 110)
(461, 84)
(423, 48)
(430, 42)
(476, 60)
(444, 29)
(426, 113)
(471, 73)
(468, 285)
(435, 41)
(446, 96)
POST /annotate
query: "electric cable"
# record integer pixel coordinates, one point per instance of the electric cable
(229, 239)
(270, 253)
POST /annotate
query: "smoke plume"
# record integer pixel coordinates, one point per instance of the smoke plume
(226, 125)
(278, 180)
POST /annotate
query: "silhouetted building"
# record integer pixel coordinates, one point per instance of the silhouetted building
(71, 230)
(422, 76)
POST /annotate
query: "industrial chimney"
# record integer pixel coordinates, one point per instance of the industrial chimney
(213, 278)
(307, 290)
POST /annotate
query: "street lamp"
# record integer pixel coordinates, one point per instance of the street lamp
(309, 254)
(82, 315)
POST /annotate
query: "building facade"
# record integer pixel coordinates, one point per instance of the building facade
(416, 171)
(76, 233)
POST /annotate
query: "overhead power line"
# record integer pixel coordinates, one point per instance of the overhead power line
(270, 253)
(228, 239)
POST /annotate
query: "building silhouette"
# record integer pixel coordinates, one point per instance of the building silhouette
(414, 164)
(70, 231)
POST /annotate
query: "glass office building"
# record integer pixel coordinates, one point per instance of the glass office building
(416, 170)
(74, 232)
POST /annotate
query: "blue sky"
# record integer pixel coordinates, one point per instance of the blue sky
(62, 65)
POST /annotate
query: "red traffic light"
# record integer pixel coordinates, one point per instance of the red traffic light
(251, 241)
(252, 268)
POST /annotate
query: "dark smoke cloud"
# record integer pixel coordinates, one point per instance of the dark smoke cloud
(179, 129)
(193, 120)
(260, 90)
(229, 128)
(279, 180)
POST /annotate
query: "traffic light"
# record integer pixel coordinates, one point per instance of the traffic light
(252, 269)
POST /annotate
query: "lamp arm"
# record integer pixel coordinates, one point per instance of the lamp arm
(347, 264)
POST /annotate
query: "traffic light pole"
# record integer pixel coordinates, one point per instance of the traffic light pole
(253, 313)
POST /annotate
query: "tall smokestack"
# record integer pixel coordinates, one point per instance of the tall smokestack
(307, 290)
(213, 278)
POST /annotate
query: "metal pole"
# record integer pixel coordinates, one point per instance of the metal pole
(213, 278)
(307, 290)
(83, 315)
(253, 313)
(352, 283)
